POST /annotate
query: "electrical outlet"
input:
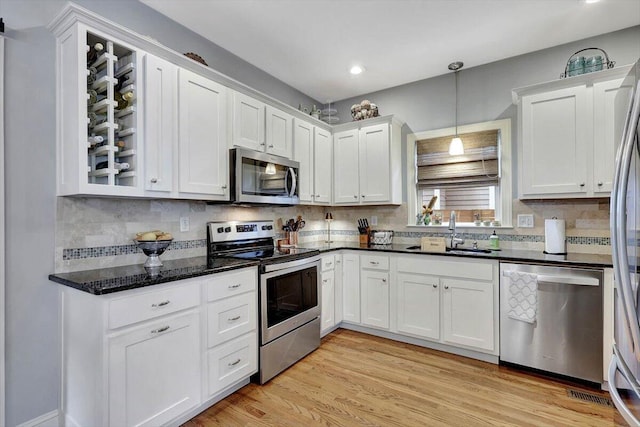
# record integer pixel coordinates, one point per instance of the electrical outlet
(374, 220)
(184, 223)
(525, 221)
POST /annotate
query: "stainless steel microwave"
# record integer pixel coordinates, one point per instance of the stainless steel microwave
(260, 178)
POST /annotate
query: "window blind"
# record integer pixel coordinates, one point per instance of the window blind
(478, 166)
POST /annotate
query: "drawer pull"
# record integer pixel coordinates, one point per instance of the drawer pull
(161, 304)
(233, 319)
(435, 286)
(384, 280)
(446, 287)
(159, 330)
(325, 280)
(374, 262)
(235, 363)
(329, 263)
(236, 286)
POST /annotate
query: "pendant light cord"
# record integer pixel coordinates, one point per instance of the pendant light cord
(456, 119)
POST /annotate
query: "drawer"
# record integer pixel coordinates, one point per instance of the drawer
(223, 285)
(231, 317)
(136, 308)
(328, 262)
(374, 262)
(232, 362)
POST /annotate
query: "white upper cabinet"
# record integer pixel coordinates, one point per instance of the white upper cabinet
(322, 166)
(248, 122)
(345, 163)
(260, 127)
(202, 141)
(99, 134)
(312, 148)
(569, 134)
(367, 164)
(303, 154)
(279, 136)
(161, 87)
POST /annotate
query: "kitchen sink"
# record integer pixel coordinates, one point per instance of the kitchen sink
(456, 250)
(468, 250)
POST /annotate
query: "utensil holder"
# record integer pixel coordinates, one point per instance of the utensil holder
(584, 69)
(292, 237)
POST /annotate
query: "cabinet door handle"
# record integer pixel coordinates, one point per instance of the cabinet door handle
(329, 264)
(235, 363)
(236, 286)
(325, 280)
(270, 145)
(446, 287)
(374, 262)
(337, 262)
(363, 196)
(154, 180)
(317, 195)
(262, 143)
(161, 304)
(384, 280)
(600, 183)
(224, 187)
(582, 184)
(233, 319)
(355, 196)
(435, 286)
(159, 330)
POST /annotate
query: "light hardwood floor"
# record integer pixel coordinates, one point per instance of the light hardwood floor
(355, 379)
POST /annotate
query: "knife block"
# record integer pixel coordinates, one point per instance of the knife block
(364, 239)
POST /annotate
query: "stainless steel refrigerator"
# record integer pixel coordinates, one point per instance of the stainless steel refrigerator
(624, 370)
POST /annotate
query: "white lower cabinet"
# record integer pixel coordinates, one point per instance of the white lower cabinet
(156, 355)
(375, 298)
(418, 305)
(327, 318)
(468, 313)
(351, 288)
(154, 371)
(450, 300)
(232, 326)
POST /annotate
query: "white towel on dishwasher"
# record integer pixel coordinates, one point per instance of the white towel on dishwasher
(523, 296)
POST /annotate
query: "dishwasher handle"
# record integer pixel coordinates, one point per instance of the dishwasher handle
(563, 280)
(569, 280)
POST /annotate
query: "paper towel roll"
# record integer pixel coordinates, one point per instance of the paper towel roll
(555, 241)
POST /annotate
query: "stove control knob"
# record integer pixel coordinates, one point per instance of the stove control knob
(220, 230)
(265, 227)
(269, 227)
(227, 229)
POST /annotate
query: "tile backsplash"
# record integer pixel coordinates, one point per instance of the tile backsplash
(97, 232)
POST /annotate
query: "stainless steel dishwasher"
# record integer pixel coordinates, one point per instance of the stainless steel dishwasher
(565, 334)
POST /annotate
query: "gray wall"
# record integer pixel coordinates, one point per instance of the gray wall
(32, 340)
(484, 92)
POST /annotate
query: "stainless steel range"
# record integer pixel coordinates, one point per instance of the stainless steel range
(289, 292)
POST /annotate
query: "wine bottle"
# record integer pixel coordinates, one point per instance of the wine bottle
(116, 165)
(94, 51)
(92, 75)
(96, 119)
(93, 97)
(123, 99)
(96, 140)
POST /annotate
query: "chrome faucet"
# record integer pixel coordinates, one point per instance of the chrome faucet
(452, 227)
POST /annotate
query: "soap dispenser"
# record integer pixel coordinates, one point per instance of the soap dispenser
(494, 241)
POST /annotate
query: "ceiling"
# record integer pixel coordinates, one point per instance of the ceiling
(312, 44)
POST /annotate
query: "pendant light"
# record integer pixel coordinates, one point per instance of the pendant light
(455, 147)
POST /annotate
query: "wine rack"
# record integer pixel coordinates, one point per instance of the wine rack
(111, 113)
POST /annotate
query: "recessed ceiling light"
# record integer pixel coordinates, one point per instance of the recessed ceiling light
(591, 1)
(356, 69)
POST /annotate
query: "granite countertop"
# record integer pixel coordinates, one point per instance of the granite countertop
(116, 279)
(507, 255)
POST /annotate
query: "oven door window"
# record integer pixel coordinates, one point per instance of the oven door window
(291, 294)
(260, 178)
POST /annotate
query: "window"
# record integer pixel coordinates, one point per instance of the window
(477, 185)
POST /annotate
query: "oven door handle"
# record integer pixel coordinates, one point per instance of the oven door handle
(291, 264)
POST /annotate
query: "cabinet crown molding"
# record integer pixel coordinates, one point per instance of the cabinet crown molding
(584, 79)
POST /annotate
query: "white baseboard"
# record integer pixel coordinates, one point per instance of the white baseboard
(50, 419)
